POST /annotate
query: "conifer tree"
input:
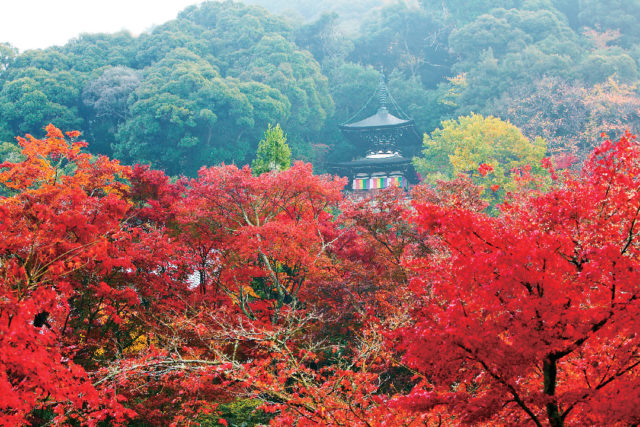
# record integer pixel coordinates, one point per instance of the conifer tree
(273, 152)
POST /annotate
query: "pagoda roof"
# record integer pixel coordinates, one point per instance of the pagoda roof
(377, 160)
(382, 119)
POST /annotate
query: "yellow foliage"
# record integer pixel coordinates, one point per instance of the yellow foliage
(249, 291)
(457, 85)
(461, 146)
(141, 343)
(245, 290)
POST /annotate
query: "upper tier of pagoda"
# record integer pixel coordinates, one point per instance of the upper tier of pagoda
(382, 132)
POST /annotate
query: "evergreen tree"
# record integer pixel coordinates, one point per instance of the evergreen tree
(273, 152)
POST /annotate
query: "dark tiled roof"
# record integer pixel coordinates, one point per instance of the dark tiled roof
(371, 161)
(381, 119)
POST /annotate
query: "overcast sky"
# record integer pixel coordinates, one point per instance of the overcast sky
(30, 24)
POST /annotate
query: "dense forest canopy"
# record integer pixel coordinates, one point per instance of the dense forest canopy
(201, 89)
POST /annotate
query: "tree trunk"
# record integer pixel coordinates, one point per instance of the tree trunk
(550, 370)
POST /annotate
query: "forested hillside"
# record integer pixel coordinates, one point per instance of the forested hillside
(201, 89)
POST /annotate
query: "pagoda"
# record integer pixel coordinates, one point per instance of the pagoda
(383, 140)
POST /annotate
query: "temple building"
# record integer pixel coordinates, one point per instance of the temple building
(383, 140)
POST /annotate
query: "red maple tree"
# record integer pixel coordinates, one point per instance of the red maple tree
(79, 280)
(532, 316)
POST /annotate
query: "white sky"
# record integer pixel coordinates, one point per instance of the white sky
(31, 24)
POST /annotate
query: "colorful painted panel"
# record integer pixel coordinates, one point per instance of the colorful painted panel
(361, 184)
(378, 183)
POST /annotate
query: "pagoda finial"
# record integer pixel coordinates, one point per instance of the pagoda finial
(383, 92)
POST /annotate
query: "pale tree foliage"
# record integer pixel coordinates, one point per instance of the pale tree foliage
(108, 94)
(8, 54)
(570, 116)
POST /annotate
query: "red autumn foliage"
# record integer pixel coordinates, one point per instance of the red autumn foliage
(532, 316)
(485, 169)
(128, 297)
(57, 227)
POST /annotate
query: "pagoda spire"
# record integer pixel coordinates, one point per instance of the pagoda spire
(383, 93)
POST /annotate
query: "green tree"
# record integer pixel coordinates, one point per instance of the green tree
(621, 15)
(417, 102)
(601, 64)
(47, 59)
(91, 52)
(324, 40)
(164, 39)
(513, 47)
(178, 116)
(34, 97)
(214, 79)
(273, 152)
(9, 152)
(408, 38)
(229, 29)
(278, 63)
(464, 11)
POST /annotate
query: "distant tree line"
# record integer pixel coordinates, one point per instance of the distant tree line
(202, 89)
